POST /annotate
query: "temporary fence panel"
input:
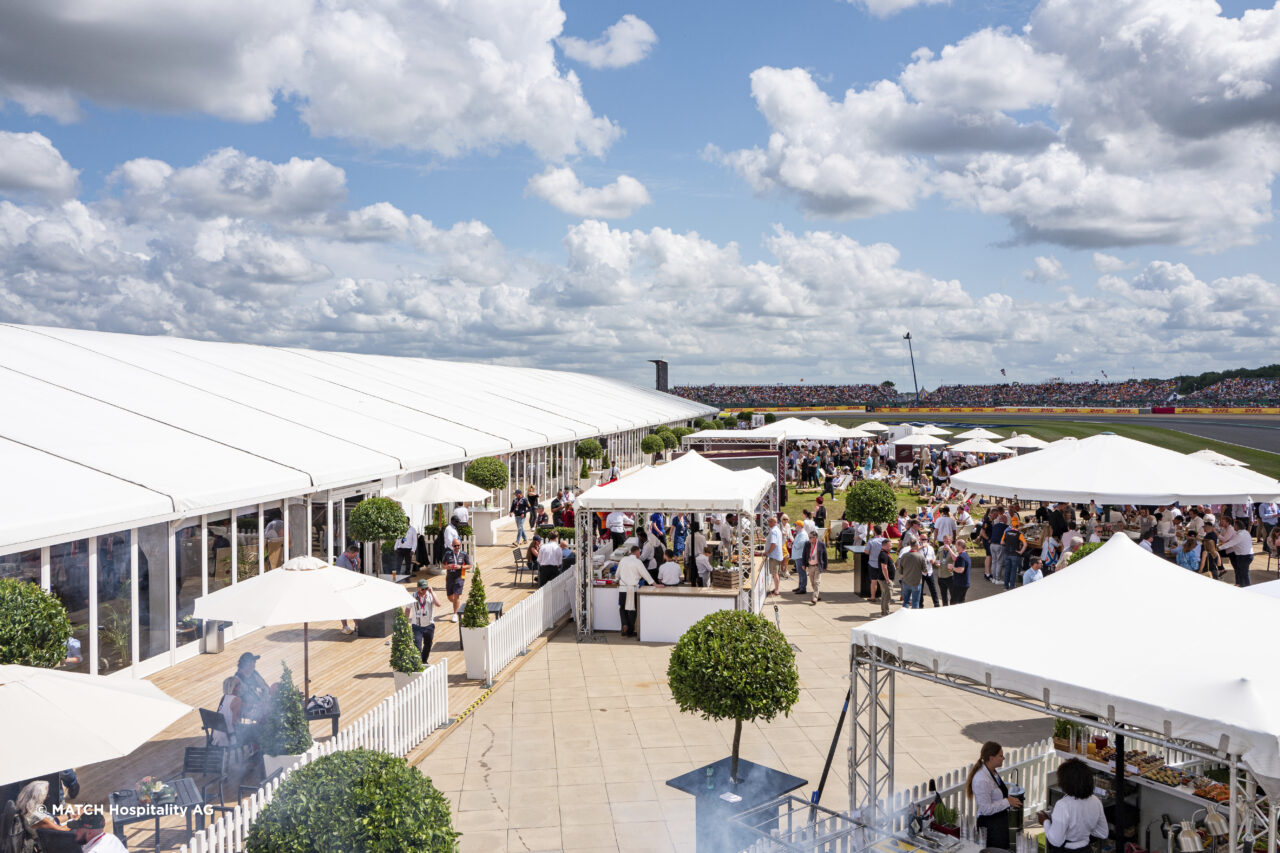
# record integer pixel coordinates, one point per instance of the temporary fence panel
(510, 636)
(396, 726)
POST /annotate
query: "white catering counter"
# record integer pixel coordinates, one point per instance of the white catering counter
(662, 613)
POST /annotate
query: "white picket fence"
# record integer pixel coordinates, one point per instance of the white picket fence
(396, 726)
(510, 636)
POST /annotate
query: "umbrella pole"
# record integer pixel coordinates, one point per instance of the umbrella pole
(306, 663)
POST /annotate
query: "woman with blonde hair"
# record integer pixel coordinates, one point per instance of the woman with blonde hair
(991, 795)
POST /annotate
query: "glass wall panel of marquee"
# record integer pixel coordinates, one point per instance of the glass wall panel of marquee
(69, 581)
(189, 552)
(23, 566)
(154, 610)
(115, 602)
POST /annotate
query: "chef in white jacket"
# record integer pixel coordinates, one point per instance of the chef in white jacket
(631, 569)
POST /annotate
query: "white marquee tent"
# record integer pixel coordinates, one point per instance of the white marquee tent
(690, 483)
(127, 430)
(1111, 469)
(978, 432)
(1216, 457)
(1025, 441)
(1169, 682)
(794, 429)
(982, 445)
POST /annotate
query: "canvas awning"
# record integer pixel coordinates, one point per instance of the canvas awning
(1112, 469)
(1170, 682)
(691, 483)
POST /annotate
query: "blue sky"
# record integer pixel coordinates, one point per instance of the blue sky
(964, 193)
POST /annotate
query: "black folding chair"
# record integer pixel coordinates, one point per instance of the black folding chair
(212, 721)
(522, 565)
(207, 761)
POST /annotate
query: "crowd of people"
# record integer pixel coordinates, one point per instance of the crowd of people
(782, 396)
(1055, 392)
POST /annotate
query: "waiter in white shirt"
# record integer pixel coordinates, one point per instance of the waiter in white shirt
(616, 521)
(669, 573)
(550, 558)
(1078, 816)
(629, 573)
(405, 546)
(460, 515)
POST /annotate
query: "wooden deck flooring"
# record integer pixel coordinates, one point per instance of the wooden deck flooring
(356, 670)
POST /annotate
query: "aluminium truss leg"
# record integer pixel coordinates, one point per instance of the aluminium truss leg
(870, 738)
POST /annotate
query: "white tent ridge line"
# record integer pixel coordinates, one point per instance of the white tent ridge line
(1187, 690)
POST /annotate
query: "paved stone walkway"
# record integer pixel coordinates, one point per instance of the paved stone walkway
(574, 752)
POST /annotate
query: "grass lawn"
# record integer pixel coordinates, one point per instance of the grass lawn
(1051, 430)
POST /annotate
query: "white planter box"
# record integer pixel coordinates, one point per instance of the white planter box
(475, 649)
(272, 763)
(485, 523)
(402, 679)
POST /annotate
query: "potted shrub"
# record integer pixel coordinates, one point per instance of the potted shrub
(945, 820)
(1083, 551)
(377, 520)
(473, 627)
(734, 665)
(406, 660)
(653, 445)
(356, 799)
(285, 732)
(34, 626)
(589, 449)
(770, 418)
(489, 473)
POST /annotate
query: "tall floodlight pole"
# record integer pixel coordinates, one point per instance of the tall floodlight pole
(907, 338)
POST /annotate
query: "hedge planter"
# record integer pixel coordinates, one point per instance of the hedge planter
(475, 650)
(272, 763)
(404, 679)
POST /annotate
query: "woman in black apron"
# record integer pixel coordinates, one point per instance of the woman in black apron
(991, 795)
(1078, 817)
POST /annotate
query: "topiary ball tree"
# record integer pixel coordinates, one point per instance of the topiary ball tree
(716, 424)
(475, 613)
(356, 799)
(1082, 552)
(699, 423)
(585, 471)
(589, 448)
(377, 520)
(870, 502)
(405, 656)
(34, 626)
(652, 444)
(488, 472)
(669, 439)
(734, 665)
(286, 731)
(770, 418)
(746, 415)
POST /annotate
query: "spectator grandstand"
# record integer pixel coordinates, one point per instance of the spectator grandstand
(775, 396)
(1055, 392)
(1237, 392)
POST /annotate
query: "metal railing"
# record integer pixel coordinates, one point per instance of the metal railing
(395, 726)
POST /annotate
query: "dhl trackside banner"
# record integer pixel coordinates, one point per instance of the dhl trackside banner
(1248, 410)
(801, 409)
(1005, 410)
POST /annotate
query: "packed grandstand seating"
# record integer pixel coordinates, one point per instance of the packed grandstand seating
(1130, 393)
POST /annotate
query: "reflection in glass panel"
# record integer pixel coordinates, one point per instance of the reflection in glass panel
(275, 538)
(69, 580)
(23, 566)
(219, 530)
(319, 524)
(188, 550)
(153, 590)
(115, 603)
(246, 545)
(299, 529)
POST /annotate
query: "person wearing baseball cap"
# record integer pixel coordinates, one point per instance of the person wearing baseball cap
(422, 614)
(254, 690)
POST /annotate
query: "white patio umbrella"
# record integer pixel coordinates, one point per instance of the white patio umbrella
(872, 426)
(1024, 441)
(305, 589)
(439, 488)
(1216, 458)
(818, 421)
(918, 439)
(854, 432)
(979, 432)
(981, 445)
(58, 719)
(933, 429)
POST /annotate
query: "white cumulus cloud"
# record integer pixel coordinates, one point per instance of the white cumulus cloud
(1046, 270)
(1105, 263)
(443, 77)
(624, 43)
(30, 163)
(885, 8)
(563, 190)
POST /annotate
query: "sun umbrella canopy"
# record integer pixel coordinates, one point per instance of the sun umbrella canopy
(933, 429)
(854, 432)
(917, 439)
(438, 489)
(1024, 441)
(1216, 458)
(1271, 588)
(1112, 469)
(304, 589)
(978, 432)
(872, 426)
(57, 719)
(981, 445)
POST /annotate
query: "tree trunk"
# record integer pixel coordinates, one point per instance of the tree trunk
(737, 740)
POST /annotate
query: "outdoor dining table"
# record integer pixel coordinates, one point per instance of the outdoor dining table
(127, 808)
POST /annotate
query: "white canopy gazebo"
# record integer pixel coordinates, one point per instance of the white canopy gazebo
(873, 426)
(794, 429)
(982, 445)
(688, 484)
(978, 432)
(933, 429)
(1168, 689)
(1024, 442)
(1217, 458)
(1112, 469)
